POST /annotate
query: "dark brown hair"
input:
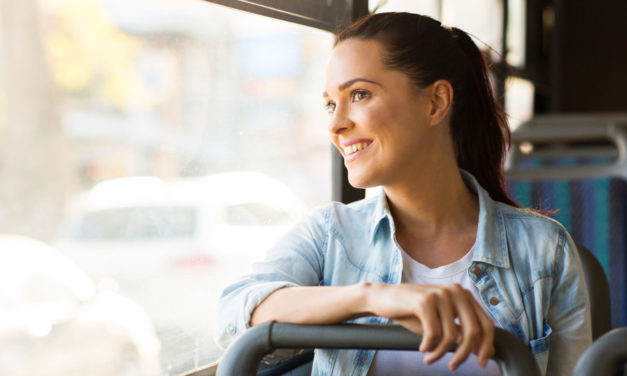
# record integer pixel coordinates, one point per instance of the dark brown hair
(427, 51)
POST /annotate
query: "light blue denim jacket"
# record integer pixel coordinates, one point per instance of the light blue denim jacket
(526, 261)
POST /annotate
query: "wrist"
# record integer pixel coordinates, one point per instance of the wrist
(367, 297)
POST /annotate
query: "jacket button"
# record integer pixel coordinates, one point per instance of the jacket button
(476, 270)
(231, 330)
(494, 300)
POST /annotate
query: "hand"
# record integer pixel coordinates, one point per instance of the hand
(431, 310)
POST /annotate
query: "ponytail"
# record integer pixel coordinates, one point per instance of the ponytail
(481, 135)
(426, 51)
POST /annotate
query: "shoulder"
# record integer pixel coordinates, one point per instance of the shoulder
(334, 214)
(530, 223)
(352, 219)
(535, 239)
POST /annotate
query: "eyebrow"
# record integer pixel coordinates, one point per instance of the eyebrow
(350, 83)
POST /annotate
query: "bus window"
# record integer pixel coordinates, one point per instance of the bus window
(158, 147)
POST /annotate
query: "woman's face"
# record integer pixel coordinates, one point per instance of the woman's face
(378, 119)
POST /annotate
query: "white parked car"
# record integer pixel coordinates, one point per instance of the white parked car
(53, 319)
(173, 245)
(123, 223)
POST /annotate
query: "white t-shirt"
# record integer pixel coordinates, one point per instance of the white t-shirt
(395, 362)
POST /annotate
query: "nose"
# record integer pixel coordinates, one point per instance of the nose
(340, 122)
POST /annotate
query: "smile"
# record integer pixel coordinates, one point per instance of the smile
(354, 148)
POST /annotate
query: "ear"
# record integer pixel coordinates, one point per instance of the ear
(441, 101)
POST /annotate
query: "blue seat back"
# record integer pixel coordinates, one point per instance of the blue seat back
(594, 211)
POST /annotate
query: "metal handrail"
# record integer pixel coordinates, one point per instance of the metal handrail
(604, 356)
(610, 132)
(243, 356)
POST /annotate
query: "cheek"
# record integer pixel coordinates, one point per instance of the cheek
(373, 117)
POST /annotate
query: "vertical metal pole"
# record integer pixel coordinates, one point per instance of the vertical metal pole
(536, 61)
(502, 69)
(556, 58)
(342, 191)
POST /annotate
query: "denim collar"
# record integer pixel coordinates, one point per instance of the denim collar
(380, 215)
(491, 243)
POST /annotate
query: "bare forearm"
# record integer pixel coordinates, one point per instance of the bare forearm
(313, 305)
(430, 310)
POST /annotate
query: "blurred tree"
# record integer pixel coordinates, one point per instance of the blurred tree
(34, 167)
(90, 58)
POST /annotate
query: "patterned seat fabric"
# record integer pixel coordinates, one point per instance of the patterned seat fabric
(594, 211)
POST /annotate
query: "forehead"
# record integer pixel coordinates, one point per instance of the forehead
(354, 58)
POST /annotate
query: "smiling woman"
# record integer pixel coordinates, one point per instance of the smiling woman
(442, 250)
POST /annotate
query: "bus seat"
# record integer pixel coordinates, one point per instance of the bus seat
(594, 212)
(599, 291)
(577, 165)
(604, 356)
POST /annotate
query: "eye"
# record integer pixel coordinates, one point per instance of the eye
(330, 107)
(359, 95)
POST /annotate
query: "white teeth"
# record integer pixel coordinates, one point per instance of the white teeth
(348, 150)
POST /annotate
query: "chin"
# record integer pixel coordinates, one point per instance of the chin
(360, 181)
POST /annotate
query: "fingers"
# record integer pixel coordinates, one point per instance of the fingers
(470, 327)
(475, 332)
(433, 312)
(428, 315)
(450, 331)
(486, 345)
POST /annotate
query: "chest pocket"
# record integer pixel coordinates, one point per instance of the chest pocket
(541, 344)
(346, 266)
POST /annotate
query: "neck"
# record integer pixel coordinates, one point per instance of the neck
(433, 203)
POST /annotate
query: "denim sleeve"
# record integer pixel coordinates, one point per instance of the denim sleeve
(295, 260)
(569, 314)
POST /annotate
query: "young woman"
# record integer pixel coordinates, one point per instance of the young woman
(443, 250)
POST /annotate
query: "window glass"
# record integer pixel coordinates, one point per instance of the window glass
(483, 19)
(42, 289)
(255, 214)
(122, 224)
(518, 101)
(517, 17)
(161, 146)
